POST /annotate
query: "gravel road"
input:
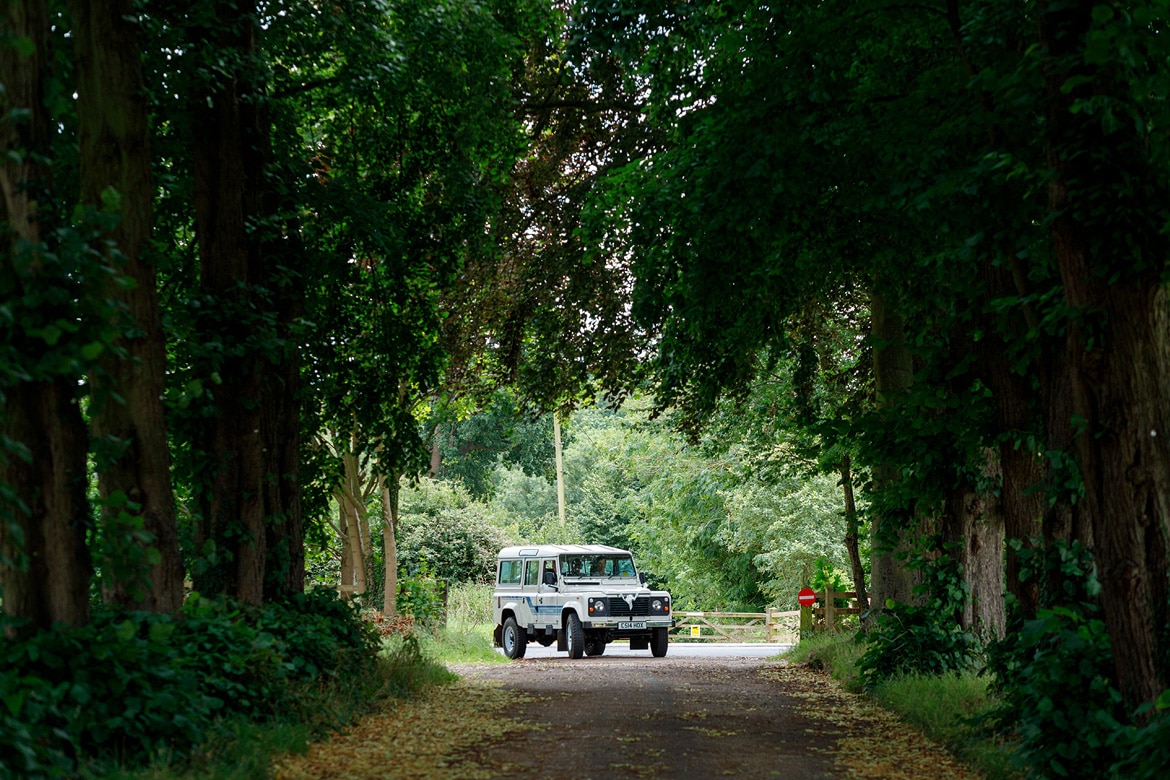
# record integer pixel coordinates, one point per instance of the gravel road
(618, 717)
(645, 717)
(687, 717)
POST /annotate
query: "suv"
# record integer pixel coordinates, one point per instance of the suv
(581, 596)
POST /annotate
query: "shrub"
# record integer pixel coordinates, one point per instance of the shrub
(421, 597)
(1144, 752)
(114, 689)
(924, 639)
(456, 542)
(132, 685)
(1054, 674)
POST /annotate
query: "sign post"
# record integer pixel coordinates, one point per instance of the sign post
(807, 597)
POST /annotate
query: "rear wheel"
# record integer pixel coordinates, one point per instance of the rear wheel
(515, 640)
(658, 642)
(574, 636)
(594, 645)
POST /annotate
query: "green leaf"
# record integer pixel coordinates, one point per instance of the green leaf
(92, 350)
(15, 702)
(1102, 14)
(160, 632)
(111, 200)
(124, 631)
(24, 46)
(80, 693)
(51, 334)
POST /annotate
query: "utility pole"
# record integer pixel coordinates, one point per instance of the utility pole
(560, 467)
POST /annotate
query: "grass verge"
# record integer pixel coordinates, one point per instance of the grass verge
(947, 708)
(458, 643)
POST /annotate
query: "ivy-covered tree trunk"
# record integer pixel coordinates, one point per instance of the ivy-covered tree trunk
(893, 374)
(281, 408)
(1017, 419)
(228, 172)
(1112, 262)
(126, 406)
(282, 495)
(45, 567)
(973, 522)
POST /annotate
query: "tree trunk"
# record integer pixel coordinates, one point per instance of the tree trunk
(45, 568)
(227, 155)
(893, 374)
(974, 523)
(353, 540)
(1017, 422)
(1117, 356)
(282, 426)
(436, 458)
(346, 575)
(390, 545)
(126, 406)
(352, 500)
(851, 535)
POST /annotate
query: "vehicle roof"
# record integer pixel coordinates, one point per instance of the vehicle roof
(548, 550)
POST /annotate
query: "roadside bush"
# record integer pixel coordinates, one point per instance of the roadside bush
(114, 689)
(421, 597)
(924, 639)
(1054, 675)
(1145, 751)
(320, 633)
(452, 537)
(130, 686)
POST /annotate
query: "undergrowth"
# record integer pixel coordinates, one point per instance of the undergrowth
(217, 689)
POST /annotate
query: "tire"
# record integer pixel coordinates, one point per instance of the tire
(594, 645)
(574, 635)
(513, 639)
(659, 642)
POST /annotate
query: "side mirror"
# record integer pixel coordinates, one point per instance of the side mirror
(550, 578)
(642, 577)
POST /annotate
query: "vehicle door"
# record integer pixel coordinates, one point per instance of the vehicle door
(528, 601)
(549, 597)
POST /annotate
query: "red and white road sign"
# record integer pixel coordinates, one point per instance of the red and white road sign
(807, 597)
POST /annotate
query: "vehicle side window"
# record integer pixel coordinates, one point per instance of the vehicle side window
(509, 573)
(532, 573)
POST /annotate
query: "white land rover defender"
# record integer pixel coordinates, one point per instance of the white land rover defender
(580, 596)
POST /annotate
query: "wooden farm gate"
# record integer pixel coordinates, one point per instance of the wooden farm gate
(771, 626)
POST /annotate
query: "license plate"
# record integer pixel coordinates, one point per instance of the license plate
(632, 625)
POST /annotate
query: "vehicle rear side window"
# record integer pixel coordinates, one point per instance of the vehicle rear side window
(510, 572)
(532, 573)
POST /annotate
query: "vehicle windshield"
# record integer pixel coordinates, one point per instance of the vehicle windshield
(597, 566)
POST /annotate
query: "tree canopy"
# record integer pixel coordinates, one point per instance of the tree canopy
(259, 252)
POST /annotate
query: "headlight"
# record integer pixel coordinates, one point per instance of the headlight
(660, 605)
(596, 605)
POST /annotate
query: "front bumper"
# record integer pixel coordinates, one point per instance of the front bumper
(616, 624)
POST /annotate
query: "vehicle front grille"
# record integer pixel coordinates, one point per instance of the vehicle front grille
(621, 608)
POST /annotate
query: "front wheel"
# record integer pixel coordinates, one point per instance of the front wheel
(658, 642)
(574, 636)
(515, 641)
(594, 645)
